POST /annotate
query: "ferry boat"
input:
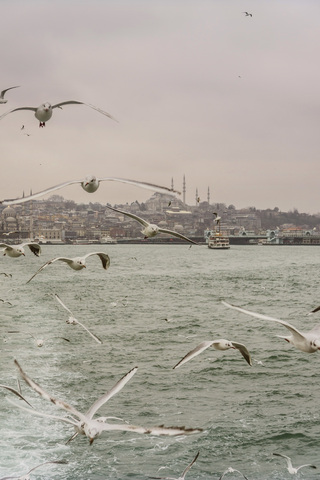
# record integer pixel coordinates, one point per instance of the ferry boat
(218, 241)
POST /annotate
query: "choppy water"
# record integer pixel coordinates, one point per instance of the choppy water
(247, 413)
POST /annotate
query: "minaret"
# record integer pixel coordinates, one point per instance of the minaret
(184, 189)
(197, 197)
(172, 184)
(208, 196)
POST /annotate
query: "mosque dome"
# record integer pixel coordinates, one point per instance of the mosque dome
(9, 212)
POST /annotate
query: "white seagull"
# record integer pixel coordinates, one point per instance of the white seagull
(217, 217)
(2, 99)
(308, 342)
(231, 470)
(91, 184)
(183, 474)
(26, 476)
(77, 263)
(38, 341)
(220, 344)
(43, 113)
(292, 469)
(85, 424)
(73, 321)
(150, 229)
(18, 250)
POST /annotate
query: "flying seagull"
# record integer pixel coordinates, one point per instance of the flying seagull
(231, 470)
(248, 14)
(308, 342)
(217, 218)
(43, 113)
(220, 344)
(183, 474)
(150, 229)
(18, 250)
(292, 469)
(73, 321)
(2, 99)
(38, 341)
(77, 263)
(91, 184)
(26, 475)
(85, 424)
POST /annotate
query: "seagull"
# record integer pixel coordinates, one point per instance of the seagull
(2, 99)
(18, 250)
(231, 470)
(291, 469)
(91, 184)
(39, 341)
(5, 301)
(73, 321)
(9, 233)
(85, 424)
(220, 344)
(217, 219)
(16, 393)
(26, 475)
(77, 263)
(308, 342)
(9, 275)
(183, 474)
(43, 113)
(150, 229)
(248, 14)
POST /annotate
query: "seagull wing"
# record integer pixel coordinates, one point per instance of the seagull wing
(105, 259)
(186, 470)
(5, 245)
(74, 102)
(160, 430)
(45, 463)
(290, 327)
(13, 201)
(307, 465)
(148, 186)
(16, 393)
(193, 353)
(288, 459)
(314, 310)
(41, 414)
(34, 109)
(131, 215)
(176, 234)
(61, 303)
(4, 91)
(115, 389)
(244, 352)
(34, 247)
(97, 339)
(47, 396)
(43, 267)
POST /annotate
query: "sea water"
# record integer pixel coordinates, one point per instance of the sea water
(153, 305)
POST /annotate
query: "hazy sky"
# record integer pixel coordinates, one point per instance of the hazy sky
(232, 102)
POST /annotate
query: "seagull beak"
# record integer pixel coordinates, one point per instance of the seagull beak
(91, 441)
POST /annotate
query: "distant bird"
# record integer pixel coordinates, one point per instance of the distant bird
(27, 477)
(291, 469)
(77, 263)
(91, 184)
(18, 250)
(231, 470)
(19, 394)
(183, 474)
(248, 14)
(2, 99)
(308, 342)
(220, 344)
(150, 229)
(38, 341)
(85, 424)
(73, 321)
(10, 233)
(43, 113)
(9, 275)
(5, 301)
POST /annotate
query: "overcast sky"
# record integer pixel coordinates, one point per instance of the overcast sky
(199, 89)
